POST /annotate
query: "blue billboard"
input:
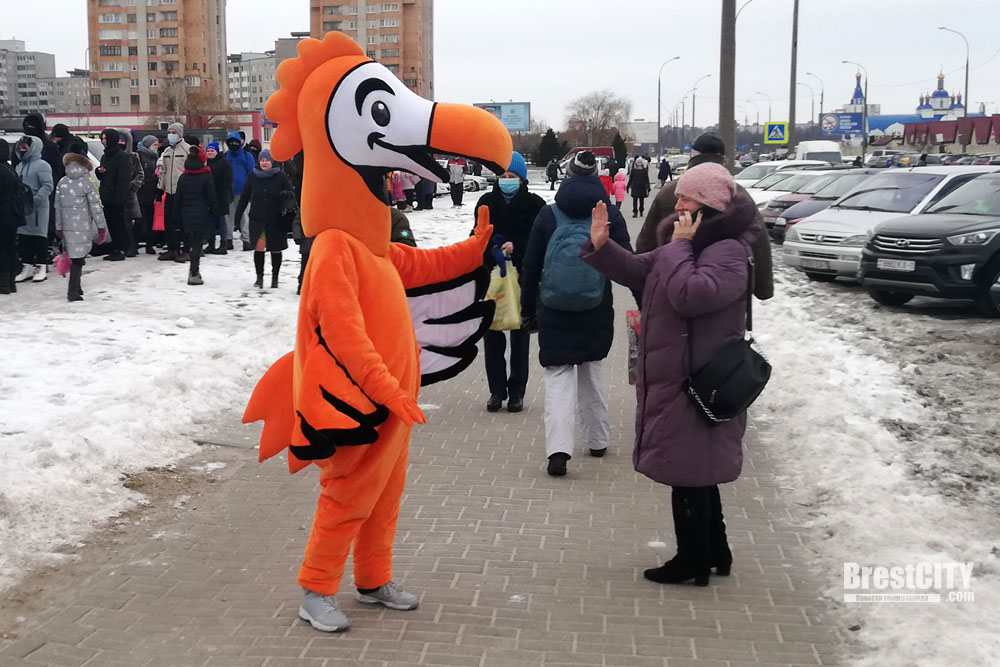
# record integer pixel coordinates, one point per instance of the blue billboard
(515, 116)
(842, 123)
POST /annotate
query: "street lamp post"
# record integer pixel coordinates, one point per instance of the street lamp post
(86, 64)
(864, 122)
(659, 76)
(967, 102)
(768, 104)
(694, 98)
(812, 110)
(820, 91)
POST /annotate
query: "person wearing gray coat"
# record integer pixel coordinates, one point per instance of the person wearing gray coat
(33, 235)
(79, 217)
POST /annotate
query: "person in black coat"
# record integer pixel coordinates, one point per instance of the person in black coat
(665, 173)
(638, 186)
(9, 222)
(222, 175)
(115, 175)
(572, 344)
(66, 141)
(197, 206)
(271, 198)
(149, 192)
(512, 212)
(426, 189)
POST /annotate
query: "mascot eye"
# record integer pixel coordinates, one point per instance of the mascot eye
(380, 114)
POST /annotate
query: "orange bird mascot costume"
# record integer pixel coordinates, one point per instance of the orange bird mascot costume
(377, 320)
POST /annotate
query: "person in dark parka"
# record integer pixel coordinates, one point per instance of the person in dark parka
(707, 148)
(665, 174)
(571, 344)
(693, 303)
(222, 176)
(9, 222)
(513, 210)
(66, 141)
(271, 198)
(149, 192)
(115, 176)
(133, 214)
(638, 186)
(197, 206)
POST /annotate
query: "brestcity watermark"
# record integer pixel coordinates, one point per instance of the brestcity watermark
(914, 582)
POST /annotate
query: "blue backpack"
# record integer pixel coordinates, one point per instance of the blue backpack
(568, 283)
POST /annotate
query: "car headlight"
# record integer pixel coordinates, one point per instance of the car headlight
(857, 240)
(792, 235)
(974, 239)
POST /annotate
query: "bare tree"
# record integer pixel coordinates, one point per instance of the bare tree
(600, 111)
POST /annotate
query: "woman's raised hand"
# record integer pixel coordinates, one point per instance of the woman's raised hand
(599, 225)
(684, 228)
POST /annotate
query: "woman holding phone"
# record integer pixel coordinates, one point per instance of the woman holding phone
(694, 289)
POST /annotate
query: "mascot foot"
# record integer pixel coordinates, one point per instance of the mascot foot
(391, 595)
(322, 613)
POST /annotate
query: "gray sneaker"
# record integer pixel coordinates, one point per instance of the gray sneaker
(322, 613)
(392, 596)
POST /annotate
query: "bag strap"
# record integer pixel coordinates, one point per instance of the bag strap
(749, 295)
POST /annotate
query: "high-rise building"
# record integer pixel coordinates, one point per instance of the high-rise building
(400, 35)
(20, 74)
(251, 75)
(67, 94)
(158, 55)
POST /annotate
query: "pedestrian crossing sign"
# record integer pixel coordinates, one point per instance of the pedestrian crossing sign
(775, 133)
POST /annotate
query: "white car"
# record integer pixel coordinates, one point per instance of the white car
(828, 244)
(750, 175)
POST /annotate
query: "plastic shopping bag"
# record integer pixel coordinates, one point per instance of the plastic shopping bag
(158, 214)
(506, 293)
(63, 262)
(632, 319)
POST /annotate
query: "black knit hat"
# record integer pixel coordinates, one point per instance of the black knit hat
(709, 142)
(583, 164)
(60, 131)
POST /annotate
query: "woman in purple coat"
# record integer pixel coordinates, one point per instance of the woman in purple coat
(694, 290)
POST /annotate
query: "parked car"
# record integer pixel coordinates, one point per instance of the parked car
(475, 183)
(844, 183)
(826, 151)
(880, 155)
(951, 158)
(775, 186)
(828, 244)
(952, 251)
(813, 183)
(750, 158)
(749, 176)
(764, 184)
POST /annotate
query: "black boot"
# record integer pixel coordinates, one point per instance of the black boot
(691, 526)
(722, 557)
(557, 464)
(74, 292)
(258, 264)
(275, 268)
(5, 281)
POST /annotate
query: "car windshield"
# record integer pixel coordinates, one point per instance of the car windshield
(792, 183)
(768, 181)
(980, 196)
(841, 186)
(832, 158)
(895, 193)
(815, 185)
(755, 172)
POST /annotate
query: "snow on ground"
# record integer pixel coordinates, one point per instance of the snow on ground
(850, 412)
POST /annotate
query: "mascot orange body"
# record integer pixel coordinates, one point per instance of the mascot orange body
(376, 320)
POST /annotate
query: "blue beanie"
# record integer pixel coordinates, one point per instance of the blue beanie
(214, 146)
(518, 166)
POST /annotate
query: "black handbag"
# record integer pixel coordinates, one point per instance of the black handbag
(728, 384)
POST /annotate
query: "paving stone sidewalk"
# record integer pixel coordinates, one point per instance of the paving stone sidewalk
(514, 568)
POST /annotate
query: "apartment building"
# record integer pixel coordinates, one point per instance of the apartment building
(21, 72)
(165, 56)
(400, 35)
(252, 75)
(67, 94)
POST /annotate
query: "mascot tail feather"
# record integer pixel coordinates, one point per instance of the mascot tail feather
(271, 402)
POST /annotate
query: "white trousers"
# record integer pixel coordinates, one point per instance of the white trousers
(571, 393)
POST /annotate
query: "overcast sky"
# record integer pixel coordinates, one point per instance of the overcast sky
(548, 52)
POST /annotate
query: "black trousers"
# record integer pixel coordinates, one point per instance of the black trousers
(457, 190)
(494, 346)
(196, 242)
(411, 196)
(8, 249)
(173, 226)
(638, 205)
(144, 230)
(33, 249)
(114, 215)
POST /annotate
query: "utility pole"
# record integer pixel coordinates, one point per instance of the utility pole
(790, 137)
(727, 81)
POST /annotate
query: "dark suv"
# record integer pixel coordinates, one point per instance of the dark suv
(952, 251)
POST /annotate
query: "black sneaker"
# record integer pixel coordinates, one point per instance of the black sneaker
(494, 404)
(557, 464)
(515, 405)
(598, 453)
(229, 244)
(181, 257)
(168, 256)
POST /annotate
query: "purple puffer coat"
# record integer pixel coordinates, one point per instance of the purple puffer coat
(698, 285)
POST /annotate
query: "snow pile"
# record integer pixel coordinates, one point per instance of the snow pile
(101, 389)
(831, 414)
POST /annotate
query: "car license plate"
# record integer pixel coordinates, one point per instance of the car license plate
(897, 264)
(815, 264)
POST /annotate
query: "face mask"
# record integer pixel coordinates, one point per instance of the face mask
(173, 139)
(509, 185)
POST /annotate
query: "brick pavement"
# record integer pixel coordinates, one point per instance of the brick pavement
(514, 568)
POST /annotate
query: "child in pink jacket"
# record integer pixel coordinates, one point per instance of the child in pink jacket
(618, 188)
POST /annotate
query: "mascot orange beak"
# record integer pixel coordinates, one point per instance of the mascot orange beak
(457, 129)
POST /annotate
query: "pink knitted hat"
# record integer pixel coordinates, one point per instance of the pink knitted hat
(709, 183)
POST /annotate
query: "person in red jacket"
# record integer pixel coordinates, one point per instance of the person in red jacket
(606, 181)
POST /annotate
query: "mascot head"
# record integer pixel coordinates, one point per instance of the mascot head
(355, 122)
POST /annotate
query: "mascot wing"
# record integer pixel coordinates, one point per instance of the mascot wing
(449, 319)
